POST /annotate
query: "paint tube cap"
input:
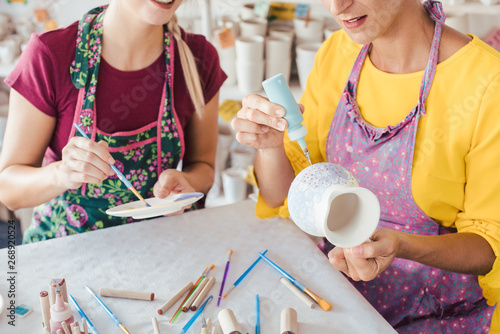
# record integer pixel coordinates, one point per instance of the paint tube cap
(60, 311)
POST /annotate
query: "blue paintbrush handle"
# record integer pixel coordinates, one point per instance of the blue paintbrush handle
(248, 270)
(284, 273)
(257, 322)
(113, 167)
(83, 315)
(193, 318)
(112, 316)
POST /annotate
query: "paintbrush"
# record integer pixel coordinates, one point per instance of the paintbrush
(83, 315)
(108, 311)
(224, 277)
(117, 172)
(235, 284)
(321, 302)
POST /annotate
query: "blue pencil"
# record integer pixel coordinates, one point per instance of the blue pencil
(117, 172)
(235, 284)
(83, 315)
(115, 319)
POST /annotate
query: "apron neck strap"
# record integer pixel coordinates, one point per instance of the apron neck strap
(436, 12)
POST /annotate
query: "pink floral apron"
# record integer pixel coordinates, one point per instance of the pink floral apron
(141, 155)
(412, 297)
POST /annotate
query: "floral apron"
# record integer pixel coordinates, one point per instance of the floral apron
(141, 155)
(412, 297)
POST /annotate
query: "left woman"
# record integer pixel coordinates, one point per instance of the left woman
(144, 91)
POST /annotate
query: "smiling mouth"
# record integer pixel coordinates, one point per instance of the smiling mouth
(164, 1)
(356, 19)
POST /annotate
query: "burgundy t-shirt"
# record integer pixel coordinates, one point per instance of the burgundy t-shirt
(124, 100)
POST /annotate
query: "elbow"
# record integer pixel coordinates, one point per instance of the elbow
(6, 197)
(271, 202)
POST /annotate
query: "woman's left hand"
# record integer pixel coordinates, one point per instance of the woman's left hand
(172, 181)
(366, 261)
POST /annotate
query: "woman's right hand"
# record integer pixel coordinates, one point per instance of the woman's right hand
(259, 123)
(84, 161)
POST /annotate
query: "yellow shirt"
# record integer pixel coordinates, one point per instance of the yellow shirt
(456, 166)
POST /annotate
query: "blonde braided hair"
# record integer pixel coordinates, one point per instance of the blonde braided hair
(189, 68)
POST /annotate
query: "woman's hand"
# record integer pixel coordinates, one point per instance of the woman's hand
(366, 261)
(172, 181)
(84, 161)
(260, 123)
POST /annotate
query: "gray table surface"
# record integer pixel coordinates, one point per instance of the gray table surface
(161, 255)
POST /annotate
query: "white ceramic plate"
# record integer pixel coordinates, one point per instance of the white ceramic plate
(159, 206)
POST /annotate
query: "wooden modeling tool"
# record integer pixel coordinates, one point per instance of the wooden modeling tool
(321, 302)
(139, 295)
(57, 283)
(179, 310)
(155, 325)
(65, 327)
(84, 317)
(175, 298)
(85, 328)
(108, 311)
(288, 321)
(224, 277)
(235, 284)
(228, 322)
(117, 172)
(203, 293)
(194, 294)
(45, 306)
(302, 296)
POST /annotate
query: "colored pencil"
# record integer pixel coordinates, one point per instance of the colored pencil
(117, 172)
(235, 284)
(321, 302)
(224, 277)
(111, 315)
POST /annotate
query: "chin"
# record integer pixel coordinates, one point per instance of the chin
(360, 38)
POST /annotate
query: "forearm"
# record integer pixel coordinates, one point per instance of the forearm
(27, 186)
(274, 175)
(466, 253)
(200, 176)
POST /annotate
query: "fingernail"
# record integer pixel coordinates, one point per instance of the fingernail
(265, 128)
(111, 160)
(281, 125)
(280, 112)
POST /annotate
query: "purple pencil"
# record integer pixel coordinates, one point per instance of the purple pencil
(224, 278)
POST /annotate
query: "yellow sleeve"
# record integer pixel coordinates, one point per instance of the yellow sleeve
(481, 214)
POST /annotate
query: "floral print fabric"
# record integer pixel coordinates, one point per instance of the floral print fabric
(140, 155)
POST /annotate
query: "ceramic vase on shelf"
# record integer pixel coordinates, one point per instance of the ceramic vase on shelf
(325, 200)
